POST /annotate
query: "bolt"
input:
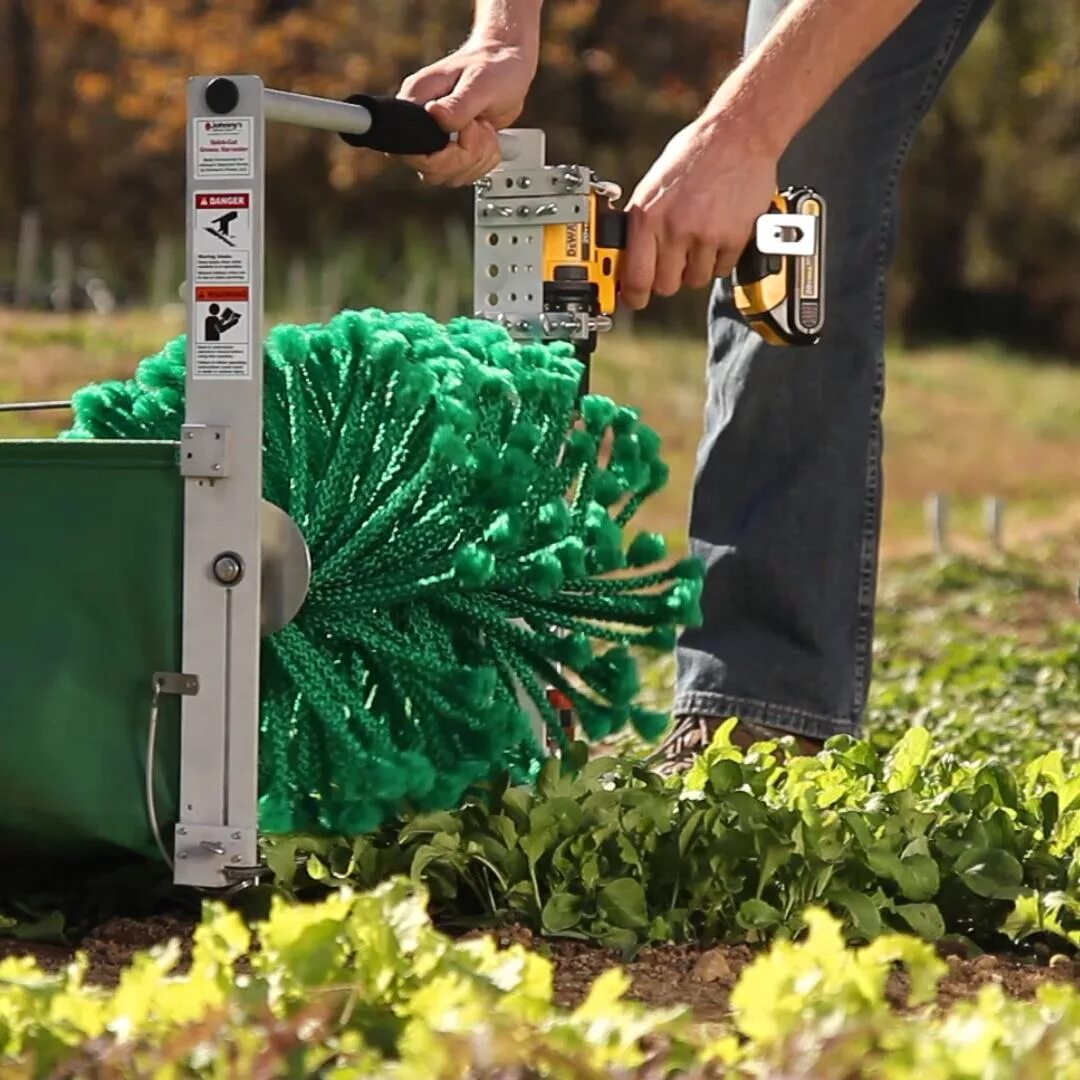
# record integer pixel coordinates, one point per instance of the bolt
(190, 435)
(217, 468)
(237, 858)
(524, 182)
(237, 836)
(523, 211)
(182, 831)
(228, 569)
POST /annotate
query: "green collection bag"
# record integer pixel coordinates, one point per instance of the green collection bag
(91, 539)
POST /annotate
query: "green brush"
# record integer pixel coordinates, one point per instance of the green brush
(463, 528)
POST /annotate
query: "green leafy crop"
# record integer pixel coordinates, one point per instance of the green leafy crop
(911, 840)
(363, 985)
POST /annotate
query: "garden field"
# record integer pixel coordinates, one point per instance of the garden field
(906, 904)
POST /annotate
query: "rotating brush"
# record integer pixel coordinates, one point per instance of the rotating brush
(467, 517)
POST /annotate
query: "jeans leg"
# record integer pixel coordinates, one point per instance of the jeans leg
(787, 493)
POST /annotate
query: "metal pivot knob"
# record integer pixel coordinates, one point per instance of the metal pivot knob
(285, 570)
(228, 568)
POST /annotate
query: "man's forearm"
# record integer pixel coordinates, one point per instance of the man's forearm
(807, 54)
(509, 22)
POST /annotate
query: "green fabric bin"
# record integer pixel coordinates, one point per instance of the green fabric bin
(91, 542)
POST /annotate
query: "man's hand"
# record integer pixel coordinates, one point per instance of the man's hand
(474, 92)
(693, 213)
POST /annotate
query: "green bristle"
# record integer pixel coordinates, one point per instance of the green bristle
(572, 555)
(624, 420)
(505, 532)
(608, 488)
(648, 724)
(647, 548)
(574, 651)
(662, 638)
(545, 573)
(474, 566)
(598, 413)
(553, 521)
(605, 541)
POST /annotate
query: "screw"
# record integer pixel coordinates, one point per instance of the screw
(228, 568)
(182, 831)
(190, 435)
(524, 182)
(217, 468)
(236, 858)
(237, 836)
(523, 211)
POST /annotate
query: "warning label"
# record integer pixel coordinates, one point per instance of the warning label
(222, 237)
(223, 148)
(222, 315)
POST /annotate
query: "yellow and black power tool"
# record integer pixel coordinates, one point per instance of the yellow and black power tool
(549, 241)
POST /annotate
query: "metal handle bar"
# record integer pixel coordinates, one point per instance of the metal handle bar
(341, 116)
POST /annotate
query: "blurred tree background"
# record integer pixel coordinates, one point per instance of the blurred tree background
(92, 110)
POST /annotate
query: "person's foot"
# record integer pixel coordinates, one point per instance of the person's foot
(690, 735)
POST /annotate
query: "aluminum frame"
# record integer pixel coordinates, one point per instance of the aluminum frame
(221, 462)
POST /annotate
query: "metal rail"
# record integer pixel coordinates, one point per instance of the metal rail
(316, 112)
(33, 406)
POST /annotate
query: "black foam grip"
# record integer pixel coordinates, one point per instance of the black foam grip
(397, 126)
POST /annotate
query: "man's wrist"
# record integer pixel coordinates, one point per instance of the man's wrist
(510, 24)
(528, 48)
(744, 109)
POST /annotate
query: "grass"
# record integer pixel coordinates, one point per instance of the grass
(969, 423)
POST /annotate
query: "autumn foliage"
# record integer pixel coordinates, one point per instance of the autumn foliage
(92, 103)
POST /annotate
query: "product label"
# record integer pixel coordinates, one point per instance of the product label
(223, 148)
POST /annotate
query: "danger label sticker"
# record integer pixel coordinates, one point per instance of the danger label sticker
(223, 148)
(222, 241)
(222, 321)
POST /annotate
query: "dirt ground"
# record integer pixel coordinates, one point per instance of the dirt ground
(661, 976)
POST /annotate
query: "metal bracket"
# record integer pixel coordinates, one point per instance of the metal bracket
(786, 234)
(204, 451)
(173, 682)
(209, 851)
(551, 210)
(554, 325)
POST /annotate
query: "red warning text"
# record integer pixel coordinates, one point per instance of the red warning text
(221, 292)
(223, 200)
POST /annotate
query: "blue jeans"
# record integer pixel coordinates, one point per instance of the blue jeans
(787, 494)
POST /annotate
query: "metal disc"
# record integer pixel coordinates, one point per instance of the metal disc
(286, 569)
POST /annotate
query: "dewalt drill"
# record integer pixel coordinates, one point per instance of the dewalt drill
(549, 240)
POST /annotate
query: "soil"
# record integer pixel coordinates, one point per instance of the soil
(660, 976)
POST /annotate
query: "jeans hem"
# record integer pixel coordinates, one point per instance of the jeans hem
(786, 718)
